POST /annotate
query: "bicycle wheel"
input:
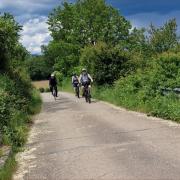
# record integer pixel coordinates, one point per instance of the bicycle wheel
(54, 94)
(86, 95)
(77, 91)
(89, 100)
(89, 97)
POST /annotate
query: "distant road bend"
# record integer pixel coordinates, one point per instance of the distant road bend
(74, 140)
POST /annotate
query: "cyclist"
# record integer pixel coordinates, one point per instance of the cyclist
(85, 79)
(75, 82)
(53, 84)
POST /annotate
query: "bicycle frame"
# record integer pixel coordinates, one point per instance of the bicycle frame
(54, 93)
(87, 93)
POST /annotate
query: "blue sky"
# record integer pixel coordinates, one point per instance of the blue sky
(32, 14)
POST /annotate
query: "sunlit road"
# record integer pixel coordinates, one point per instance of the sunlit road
(74, 140)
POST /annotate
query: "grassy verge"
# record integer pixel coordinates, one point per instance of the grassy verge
(66, 86)
(35, 103)
(10, 166)
(16, 132)
(166, 107)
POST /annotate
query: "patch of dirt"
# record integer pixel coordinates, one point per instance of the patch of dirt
(41, 84)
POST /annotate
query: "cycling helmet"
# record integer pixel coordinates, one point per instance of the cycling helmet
(84, 70)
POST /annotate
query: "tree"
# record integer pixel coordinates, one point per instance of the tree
(9, 36)
(37, 68)
(88, 21)
(62, 56)
(164, 38)
(74, 26)
(104, 62)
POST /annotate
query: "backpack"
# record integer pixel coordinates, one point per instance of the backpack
(85, 78)
(75, 80)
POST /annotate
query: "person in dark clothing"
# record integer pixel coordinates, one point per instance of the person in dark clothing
(53, 84)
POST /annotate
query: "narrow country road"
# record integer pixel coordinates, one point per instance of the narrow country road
(74, 140)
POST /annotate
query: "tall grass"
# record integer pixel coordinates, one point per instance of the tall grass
(10, 166)
(66, 85)
(35, 103)
(142, 90)
(160, 106)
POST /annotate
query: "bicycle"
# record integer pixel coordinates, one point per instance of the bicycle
(87, 93)
(54, 93)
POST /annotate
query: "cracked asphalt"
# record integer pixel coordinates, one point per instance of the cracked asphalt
(74, 140)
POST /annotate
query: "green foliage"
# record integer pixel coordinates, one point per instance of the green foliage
(92, 34)
(38, 68)
(59, 77)
(41, 90)
(35, 103)
(67, 85)
(1, 153)
(7, 171)
(17, 97)
(142, 91)
(19, 135)
(164, 38)
(61, 56)
(104, 62)
(74, 26)
(47, 90)
(87, 22)
(168, 71)
(14, 109)
(9, 36)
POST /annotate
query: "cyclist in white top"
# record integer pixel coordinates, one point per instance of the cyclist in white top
(85, 79)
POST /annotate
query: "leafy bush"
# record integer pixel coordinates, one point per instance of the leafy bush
(17, 97)
(9, 30)
(42, 90)
(14, 110)
(59, 77)
(37, 68)
(19, 136)
(141, 91)
(47, 90)
(35, 103)
(104, 62)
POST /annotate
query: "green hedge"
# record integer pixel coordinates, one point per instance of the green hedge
(15, 108)
(142, 91)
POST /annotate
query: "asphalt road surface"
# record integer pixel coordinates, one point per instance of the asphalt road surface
(75, 140)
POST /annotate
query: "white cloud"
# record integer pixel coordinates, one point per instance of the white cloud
(32, 15)
(30, 6)
(35, 33)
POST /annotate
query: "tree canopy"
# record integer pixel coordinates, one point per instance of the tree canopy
(93, 34)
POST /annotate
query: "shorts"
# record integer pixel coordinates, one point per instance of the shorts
(86, 83)
(75, 85)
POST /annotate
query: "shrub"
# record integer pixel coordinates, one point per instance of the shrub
(42, 90)
(104, 62)
(19, 136)
(14, 109)
(59, 77)
(37, 68)
(141, 91)
(47, 90)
